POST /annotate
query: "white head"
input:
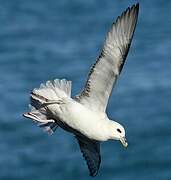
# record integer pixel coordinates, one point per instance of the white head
(117, 132)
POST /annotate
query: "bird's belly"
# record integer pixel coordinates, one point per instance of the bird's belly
(83, 120)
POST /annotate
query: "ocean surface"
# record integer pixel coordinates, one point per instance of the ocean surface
(42, 40)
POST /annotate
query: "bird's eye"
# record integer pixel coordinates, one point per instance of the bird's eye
(119, 130)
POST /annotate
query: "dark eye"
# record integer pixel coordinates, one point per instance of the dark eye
(119, 130)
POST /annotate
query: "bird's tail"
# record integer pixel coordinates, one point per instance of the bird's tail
(51, 92)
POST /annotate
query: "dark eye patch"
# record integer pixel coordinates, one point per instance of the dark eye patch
(119, 130)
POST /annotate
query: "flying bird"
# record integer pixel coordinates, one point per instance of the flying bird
(84, 115)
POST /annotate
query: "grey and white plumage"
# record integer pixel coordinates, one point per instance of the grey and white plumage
(84, 115)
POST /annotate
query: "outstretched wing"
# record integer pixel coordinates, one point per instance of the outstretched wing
(109, 64)
(91, 153)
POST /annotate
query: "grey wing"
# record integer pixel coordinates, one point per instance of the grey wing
(91, 153)
(108, 66)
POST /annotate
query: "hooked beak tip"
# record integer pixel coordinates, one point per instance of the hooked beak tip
(124, 142)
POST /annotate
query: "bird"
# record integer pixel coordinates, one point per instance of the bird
(84, 115)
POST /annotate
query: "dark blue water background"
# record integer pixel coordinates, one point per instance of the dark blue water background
(42, 40)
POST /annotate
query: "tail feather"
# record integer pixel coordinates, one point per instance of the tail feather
(48, 93)
(49, 125)
(52, 90)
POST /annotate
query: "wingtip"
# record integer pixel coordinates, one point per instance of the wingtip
(137, 6)
(94, 174)
(134, 7)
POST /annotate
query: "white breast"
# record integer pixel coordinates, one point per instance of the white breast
(89, 123)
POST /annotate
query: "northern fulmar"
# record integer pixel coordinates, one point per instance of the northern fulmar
(84, 115)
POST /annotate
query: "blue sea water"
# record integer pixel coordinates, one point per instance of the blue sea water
(42, 40)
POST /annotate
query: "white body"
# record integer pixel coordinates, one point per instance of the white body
(94, 125)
